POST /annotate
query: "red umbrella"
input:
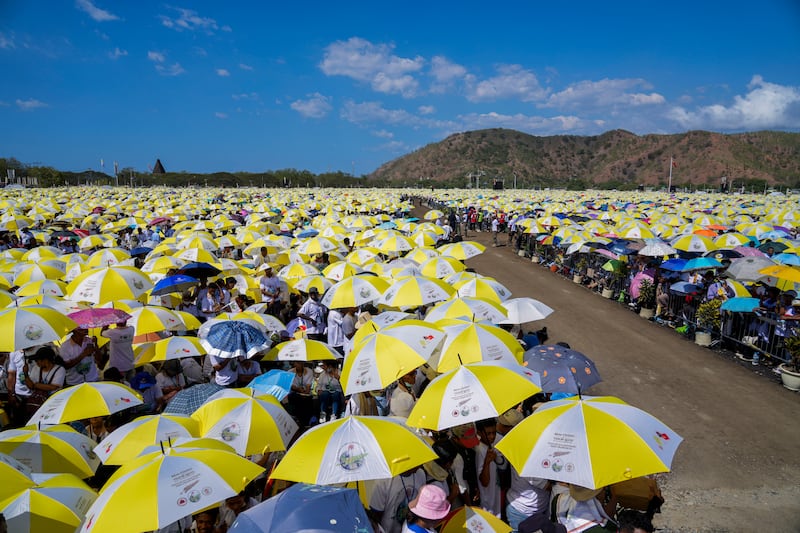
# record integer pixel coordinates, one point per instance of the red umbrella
(637, 281)
(159, 220)
(98, 317)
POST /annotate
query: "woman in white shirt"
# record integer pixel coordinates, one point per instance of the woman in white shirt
(301, 403)
(329, 390)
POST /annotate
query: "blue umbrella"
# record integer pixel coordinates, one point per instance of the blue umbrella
(740, 304)
(303, 507)
(141, 250)
(176, 283)
(387, 225)
(787, 259)
(277, 383)
(308, 232)
(620, 247)
(684, 287)
(675, 265)
(701, 263)
(199, 270)
(234, 338)
(188, 400)
(561, 369)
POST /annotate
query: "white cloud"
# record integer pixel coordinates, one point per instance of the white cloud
(223, 72)
(531, 124)
(315, 106)
(97, 14)
(765, 106)
(245, 66)
(426, 110)
(511, 82)
(374, 64)
(221, 115)
(245, 96)
(7, 42)
(156, 57)
(189, 20)
(30, 104)
(444, 73)
(383, 134)
(366, 113)
(170, 70)
(603, 93)
(117, 53)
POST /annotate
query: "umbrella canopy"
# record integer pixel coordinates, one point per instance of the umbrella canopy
(129, 440)
(354, 291)
(413, 291)
(473, 392)
(249, 425)
(101, 285)
(302, 350)
(441, 266)
(354, 448)
(187, 401)
(85, 400)
(304, 507)
(54, 449)
(462, 250)
(98, 317)
(469, 342)
(57, 503)
(592, 442)
(166, 486)
(483, 287)
(199, 270)
(24, 327)
(701, 263)
(522, 310)
(234, 338)
(561, 369)
(740, 305)
(172, 284)
(784, 272)
(167, 349)
(470, 307)
(277, 383)
(475, 520)
(657, 248)
(386, 354)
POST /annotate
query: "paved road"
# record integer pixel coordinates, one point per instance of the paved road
(738, 468)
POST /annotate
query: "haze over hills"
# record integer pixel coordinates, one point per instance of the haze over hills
(616, 158)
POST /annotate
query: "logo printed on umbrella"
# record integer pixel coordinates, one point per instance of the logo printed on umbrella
(660, 439)
(33, 332)
(352, 456)
(230, 432)
(88, 452)
(138, 284)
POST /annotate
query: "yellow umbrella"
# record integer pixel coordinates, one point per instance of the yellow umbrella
(126, 442)
(473, 392)
(784, 272)
(462, 250)
(101, 285)
(86, 400)
(483, 287)
(153, 318)
(24, 327)
(302, 350)
(249, 425)
(433, 214)
(414, 291)
(475, 309)
(441, 266)
(107, 257)
(354, 448)
(469, 342)
(167, 349)
(53, 449)
(475, 520)
(46, 287)
(35, 272)
(56, 503)
(160, 488)
(354, 291)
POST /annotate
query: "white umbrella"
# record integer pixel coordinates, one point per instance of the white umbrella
(85, 400)
(525, 309)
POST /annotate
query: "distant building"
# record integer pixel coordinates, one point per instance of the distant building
(158, 168)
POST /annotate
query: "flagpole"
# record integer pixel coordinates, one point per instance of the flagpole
(669, 187)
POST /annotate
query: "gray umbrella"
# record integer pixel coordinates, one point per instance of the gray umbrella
(746, 268)
(188, 400)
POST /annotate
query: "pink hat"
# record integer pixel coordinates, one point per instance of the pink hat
(431, 504)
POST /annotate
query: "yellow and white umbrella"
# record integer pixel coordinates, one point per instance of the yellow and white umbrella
(168, 349)
(317, 245)
(341, 269)
(414, 291)
(45, 287)
(475, 309)
(52, 449)
(107, 257)
(384, 355)
(56, 503)
(483, 287)
(473, 392)
(27, 273)
(249, 425)
(441, 266)
(153, 318)
(591, 441)
(475, 520)
(470, 342)
(24, 327)
(462, 250)
(129, 440)
(167, 486)
(302, 350)
(354, 448)
(354, 291)
(85, 401)
(101, 285)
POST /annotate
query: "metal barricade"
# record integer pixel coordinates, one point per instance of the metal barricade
(763, 334)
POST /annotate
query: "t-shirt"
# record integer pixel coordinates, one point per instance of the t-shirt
(86, 370)
(336, 336)
(120, 354)
(192, 371)
(391, 497)
(164, 381)
(490, 495)
(16, 363)
(228, 374)
(271, 286)
(54, 376)
(401, 402)
(528, 495)
(316, 322)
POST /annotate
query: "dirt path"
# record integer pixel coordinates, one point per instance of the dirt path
(738, 468)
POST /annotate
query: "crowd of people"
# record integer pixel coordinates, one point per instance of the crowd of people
(468, 470)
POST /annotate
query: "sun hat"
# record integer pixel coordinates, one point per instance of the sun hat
(362, 320)
(467, 434)
(510, 418)
(431, 503)
(583, 494)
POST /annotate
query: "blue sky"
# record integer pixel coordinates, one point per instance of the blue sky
(210, 86)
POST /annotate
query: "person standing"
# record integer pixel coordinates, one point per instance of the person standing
(313, 316)
(18, 391)
(495, 229)
(336, 337)
(120, 353)
(80, 353)
(270, 287)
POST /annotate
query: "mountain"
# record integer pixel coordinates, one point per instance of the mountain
(616, 158)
